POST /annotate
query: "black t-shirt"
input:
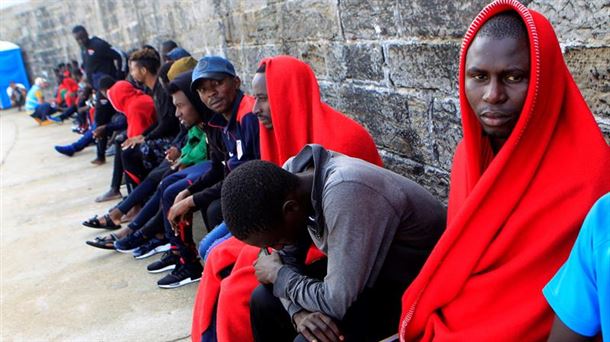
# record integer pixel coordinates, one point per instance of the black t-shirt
(98, 57)
(167, 125)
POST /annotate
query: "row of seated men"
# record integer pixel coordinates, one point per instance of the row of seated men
(311, 238)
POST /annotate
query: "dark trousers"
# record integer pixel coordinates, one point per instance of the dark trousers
(373, 316)
(117, 168)
(133, 164)
(149, 210)
(43, 111)
(67, 113)
(139, 195)
(154, 226)
(170, 187)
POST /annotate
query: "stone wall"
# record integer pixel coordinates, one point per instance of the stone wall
(390, 64)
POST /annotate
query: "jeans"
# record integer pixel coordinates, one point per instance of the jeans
(217, 235)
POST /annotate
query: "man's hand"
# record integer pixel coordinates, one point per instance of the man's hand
(99, 131)
(179, 211)
(132, 142)
(267, 267)
(182, 195)
(172, 154)
(316, 326)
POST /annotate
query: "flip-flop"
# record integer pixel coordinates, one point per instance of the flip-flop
(106, 242)
(94, 222)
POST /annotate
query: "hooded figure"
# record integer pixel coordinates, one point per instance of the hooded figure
(139, 108)
(299, 117)
(512, 216)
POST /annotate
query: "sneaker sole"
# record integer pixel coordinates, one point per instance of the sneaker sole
(180, 283)
(166, 268)
(124, 250)
(156, 250)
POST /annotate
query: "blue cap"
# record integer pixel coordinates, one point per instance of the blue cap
(213, 68)
(177, 53)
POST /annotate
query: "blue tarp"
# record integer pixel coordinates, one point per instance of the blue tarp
(11, 69)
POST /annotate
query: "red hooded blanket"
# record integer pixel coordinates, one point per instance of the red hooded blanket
(139, 108)
(512, 218)
(299, 117)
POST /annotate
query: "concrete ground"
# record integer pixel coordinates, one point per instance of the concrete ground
(53, 286)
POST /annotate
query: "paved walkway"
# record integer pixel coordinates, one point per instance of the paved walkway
(53, 286)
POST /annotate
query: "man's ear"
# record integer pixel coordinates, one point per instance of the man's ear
(237, 83)
(290, 207)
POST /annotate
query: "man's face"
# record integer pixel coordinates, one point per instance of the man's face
(261, 105)
(288, 231)
(138, 73)
(104, 92)
(12, 85)
(219, 95)
(185, 111)
(82, 38)
(497, 79)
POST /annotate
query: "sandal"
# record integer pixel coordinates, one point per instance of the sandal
(94, 222)
(106, 242)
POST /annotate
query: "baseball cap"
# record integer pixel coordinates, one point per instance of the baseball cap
(213, 68)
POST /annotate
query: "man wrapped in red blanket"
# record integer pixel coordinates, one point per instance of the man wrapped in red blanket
(531, 163)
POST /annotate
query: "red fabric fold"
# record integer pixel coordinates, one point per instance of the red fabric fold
(139, 108)
(512, 219)
(299, 117)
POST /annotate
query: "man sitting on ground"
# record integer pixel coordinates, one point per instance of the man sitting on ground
(531, 164)
(375, 226)
(16, 93)
(35, 102)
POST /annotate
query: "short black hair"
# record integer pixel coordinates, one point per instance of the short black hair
(106, 82)
(169, 45)
(147, 58)
(79, 28)
(253, 196)
(507, 24)
(164, 70)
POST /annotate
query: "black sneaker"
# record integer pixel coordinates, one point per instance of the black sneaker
(151, 247)
(130, 242)
(183, 274)
(167, 262)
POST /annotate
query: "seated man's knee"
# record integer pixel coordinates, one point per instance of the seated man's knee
(262, 300)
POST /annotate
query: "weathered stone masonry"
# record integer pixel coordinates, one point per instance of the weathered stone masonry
(390, 64)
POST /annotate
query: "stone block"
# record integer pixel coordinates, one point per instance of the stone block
(255, 26)
(424, 65)
(396, 121)
(432, 179)
(590, 68)
(577, 22)
(364, 62)
(313, 53)
(380, 19)
(310, 20)
(437, 18)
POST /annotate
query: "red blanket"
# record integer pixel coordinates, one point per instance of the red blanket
(139, 108)
(512, 218)
(299, 118)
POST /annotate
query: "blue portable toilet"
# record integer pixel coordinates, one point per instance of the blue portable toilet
(11, 69)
